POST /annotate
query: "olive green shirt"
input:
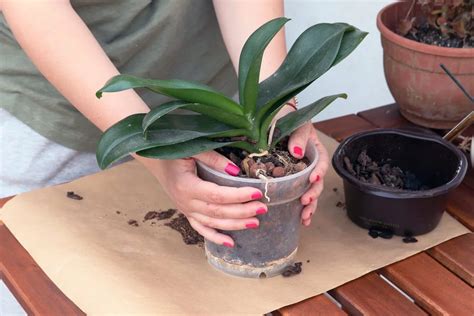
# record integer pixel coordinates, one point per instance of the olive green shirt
(158, 39)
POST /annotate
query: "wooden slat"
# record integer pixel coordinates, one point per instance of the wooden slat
(370, 295)
(461, 205)
(431, 285)
(317, 305)
(344, 126)
(469, 179)
(29, 284)
(387, 116)
(458, 256)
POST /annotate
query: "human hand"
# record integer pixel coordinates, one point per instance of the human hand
(207, 205)
(296, 146)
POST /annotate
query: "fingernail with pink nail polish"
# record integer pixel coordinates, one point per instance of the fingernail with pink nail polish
(298, 151)
(261, 211)
(227, 244)
(232, 169)
(257, 195)
(251, 225)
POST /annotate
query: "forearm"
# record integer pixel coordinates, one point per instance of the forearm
(64, 50)
(238, 19)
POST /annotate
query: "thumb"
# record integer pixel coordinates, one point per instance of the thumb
(218, 162)
(298, 140)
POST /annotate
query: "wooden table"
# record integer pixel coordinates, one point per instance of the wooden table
(437, 281)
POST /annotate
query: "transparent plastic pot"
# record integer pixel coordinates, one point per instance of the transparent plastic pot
(268, 249)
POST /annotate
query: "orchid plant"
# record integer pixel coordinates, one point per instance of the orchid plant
(163, 134)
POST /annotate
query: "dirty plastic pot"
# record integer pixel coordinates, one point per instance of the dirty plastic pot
(424, 92)
(268, 249)
(435, 162)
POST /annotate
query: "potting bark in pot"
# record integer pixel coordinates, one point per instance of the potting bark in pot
(396, 181)
(246, 132)
(418, 36)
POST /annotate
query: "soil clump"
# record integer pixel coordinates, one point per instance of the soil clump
(189, 235)
(382, 173)
(292, 269)
(74, 196)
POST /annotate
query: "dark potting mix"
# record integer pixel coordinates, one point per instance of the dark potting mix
(427, 34)
(189, 235)
(382, 173)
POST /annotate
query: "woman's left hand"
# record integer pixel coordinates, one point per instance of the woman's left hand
(296, 146)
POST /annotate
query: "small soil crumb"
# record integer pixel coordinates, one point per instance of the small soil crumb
(334, 189)
(308, 261)
(74, 196)
(293, 269)
(118, 212)
(409, 239)
(159, 215)
(181, 225)
(341, 204)
(365, 169)
(133, 222)
(384, 233)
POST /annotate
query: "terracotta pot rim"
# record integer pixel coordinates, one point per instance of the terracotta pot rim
(416, 46)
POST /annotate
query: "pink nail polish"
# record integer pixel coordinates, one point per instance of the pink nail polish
(251, 225)
(298, 151)
(261, 211)
(310, 199)
(232, 169)
(228, 245)
(257, 195)
(313, 180)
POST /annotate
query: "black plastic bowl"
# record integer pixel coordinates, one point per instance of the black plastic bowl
(437, 163)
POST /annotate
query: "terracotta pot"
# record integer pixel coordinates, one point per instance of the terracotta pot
(425, 94)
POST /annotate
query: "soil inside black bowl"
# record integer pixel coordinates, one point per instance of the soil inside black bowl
(383, 173)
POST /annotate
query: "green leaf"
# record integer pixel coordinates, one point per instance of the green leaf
(184, 90)
(313, 53)
(183, 150)
(251, 60)
(351, 39)
(290, 122)
(224, 117)
(126, 136)
(161, 110)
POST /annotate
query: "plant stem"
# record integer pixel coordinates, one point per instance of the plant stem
(411, 9)
(245, 146)
(456, 81)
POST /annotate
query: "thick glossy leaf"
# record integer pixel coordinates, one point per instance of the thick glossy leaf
(157, 112)
(314, 52)
(126, 136)
(231, 119)
(184, 90)
(351, 39)
(183, 150)
(251, 60)
(290, 122)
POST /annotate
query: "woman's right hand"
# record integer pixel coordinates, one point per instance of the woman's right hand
(207, 205)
